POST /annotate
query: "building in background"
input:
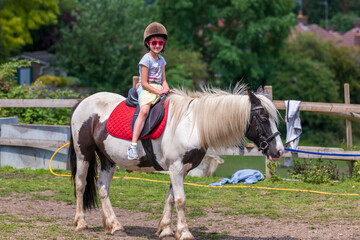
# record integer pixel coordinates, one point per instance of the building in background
(44, 64)
(348, 39)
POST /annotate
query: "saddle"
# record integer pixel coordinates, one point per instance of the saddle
(122, 118)
(155, 116)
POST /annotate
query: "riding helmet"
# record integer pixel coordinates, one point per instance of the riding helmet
(153, 29)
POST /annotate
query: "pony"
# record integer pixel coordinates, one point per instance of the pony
(197, 121)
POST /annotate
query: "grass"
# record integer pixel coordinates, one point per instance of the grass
(148, 197)
(137, 195)
(234, 163)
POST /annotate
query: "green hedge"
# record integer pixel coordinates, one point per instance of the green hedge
(51, 116)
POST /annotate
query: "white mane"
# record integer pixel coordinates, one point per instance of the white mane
(220, 117)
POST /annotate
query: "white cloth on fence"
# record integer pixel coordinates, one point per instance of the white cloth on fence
(293, 127)
(293, 124)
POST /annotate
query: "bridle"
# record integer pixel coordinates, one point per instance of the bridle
(263, 145)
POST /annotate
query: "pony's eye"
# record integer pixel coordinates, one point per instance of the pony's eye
(264, 116)
(263, 119)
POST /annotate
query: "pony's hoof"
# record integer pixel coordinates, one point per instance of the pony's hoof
(166, 233)
(81, 228)
(119, 233)
(117, 228)
(184, 236)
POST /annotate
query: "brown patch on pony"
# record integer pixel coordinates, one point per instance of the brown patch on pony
(85, 139)
(145, 162)
(87, 149)
(100, 135)
(194, 157)
(92, 135)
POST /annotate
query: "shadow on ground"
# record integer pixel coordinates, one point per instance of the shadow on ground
(199, 233)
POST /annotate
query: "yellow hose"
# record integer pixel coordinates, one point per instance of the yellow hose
(201, 185)
(60, 175)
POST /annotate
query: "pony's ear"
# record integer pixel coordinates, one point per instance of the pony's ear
(253, 99)
(260, 90)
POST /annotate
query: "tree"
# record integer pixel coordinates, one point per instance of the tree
(18, 17)
(315, 10)
(310, 70)
(341, 61)
(306, 79)
(345, 66)
(236, 38)
(184, 68)
(103, 46)
(46, 37)
(342, 22)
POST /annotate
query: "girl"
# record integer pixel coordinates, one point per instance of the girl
(152, 82)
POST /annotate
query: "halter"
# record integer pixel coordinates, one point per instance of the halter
(264, 142)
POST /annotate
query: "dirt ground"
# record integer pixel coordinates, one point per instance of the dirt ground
(139, 226)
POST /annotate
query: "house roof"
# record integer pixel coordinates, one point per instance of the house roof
(347, 39)
(43, 56)
(319, 33)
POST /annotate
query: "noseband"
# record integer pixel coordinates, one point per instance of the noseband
(264, 142)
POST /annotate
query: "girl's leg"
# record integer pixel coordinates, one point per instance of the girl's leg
(138, 127)
(140, 121)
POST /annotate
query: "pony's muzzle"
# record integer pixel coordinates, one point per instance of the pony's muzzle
(276, 156)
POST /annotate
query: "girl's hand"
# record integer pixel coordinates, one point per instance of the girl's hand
(165, 91)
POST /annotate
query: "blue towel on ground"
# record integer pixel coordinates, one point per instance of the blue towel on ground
(248, 176)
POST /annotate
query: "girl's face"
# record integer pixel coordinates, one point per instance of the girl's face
(156, 44)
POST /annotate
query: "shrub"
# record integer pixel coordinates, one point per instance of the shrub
(48, 80)
(356, 171)
(7, 73)
(52, 116)
(74, 82)
(272, 165)
(315, 172)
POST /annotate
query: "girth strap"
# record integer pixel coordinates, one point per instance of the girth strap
(147, 145)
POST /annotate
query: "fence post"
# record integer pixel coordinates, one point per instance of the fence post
(268, 94)
(135, 80)
(348, 126)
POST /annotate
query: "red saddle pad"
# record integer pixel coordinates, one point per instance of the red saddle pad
(119, 122)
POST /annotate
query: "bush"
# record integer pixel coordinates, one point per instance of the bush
(48, 80)
(272, 165)
(315, 172)
(51, 116)
(74, 82)
(7, 73)
(356, 172)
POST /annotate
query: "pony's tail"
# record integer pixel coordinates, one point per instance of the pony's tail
(90, 199)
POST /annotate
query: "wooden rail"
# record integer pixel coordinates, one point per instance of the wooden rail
(322, 107)
(279, 104)
(37, 143)
(50, 103)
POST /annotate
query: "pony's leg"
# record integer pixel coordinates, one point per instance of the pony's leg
(80, 182)
(164, 229)
(110, 222)
(177, 180)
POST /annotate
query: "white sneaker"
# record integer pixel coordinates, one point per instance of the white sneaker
(132, 153)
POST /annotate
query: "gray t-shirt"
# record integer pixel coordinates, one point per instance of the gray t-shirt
(155, 68)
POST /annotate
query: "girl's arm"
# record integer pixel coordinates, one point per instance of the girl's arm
(164, 83)
(145, 84)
